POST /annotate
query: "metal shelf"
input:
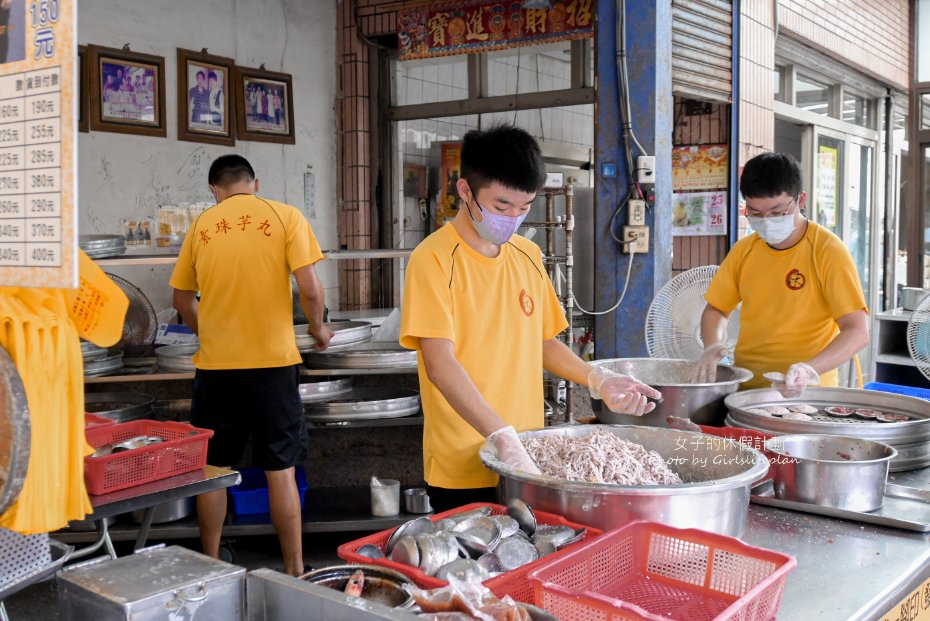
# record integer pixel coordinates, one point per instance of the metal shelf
(171, 259)
(404, 421)
(165, 377)
(325, 510)
(899, 359)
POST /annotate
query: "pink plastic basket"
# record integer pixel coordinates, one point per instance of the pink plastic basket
(184, 449)
(649, 571)
(512, 583)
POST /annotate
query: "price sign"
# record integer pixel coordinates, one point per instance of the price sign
(38, 129)
(699, 213)
(914, 607)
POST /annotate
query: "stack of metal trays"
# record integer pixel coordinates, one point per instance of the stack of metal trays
(176, 358)
(102, 246)
(112, 361)
(365, 404)
(910, 437)
(345, 334)
(119, 406)
(91, 352)
(325, 389)
(371, 355)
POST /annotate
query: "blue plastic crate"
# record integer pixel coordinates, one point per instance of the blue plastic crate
(251, 496)
(910, 391)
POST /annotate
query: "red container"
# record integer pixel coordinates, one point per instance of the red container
(512, 583)
(746, 437)
(95, 420)
(184, 449)
(646, 571)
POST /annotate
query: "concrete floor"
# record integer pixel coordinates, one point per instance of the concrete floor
(39, 602)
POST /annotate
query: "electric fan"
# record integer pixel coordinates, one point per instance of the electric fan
(918, 336)
(141, 323)
(673, 323)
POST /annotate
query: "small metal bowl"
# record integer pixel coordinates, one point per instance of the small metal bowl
(413, 527)
(382, 585)
(406, 551)
(478, 534)
(515, 552)
(557, 535)
(370, 550)
(523, 514)
(460, 568)
(507, 524)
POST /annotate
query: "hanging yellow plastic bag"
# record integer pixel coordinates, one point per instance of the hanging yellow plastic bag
(98, 306)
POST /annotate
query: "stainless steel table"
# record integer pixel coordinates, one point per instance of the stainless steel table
(147, 497)
(847, 570)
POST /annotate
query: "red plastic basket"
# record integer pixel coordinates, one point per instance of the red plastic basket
(95, 420)
(184, 450)
(512, 583)
(746, 437)
(649, 571)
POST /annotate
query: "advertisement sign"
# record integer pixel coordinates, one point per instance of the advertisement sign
(450, 169)
(699, 213)
(37, 144)
(431, 29)
(699, 167)
(827, 172)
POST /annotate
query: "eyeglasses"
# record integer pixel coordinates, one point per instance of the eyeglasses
(781, 210)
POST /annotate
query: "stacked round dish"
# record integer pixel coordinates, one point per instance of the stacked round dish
(364, 404)
(111, 361)
(176, 358)
(324, 389)
(345, 334)
(102, 246)
(826, 409)
(121, 407)
(372, 355)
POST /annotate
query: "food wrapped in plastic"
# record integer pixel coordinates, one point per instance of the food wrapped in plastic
(466, 599)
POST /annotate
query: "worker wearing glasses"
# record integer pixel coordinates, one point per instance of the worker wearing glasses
(804, 311)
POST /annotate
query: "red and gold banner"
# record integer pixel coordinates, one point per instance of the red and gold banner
(450, 169)
(470, 26)
(699, 167)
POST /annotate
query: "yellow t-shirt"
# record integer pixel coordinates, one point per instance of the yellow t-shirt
(791, 299)
(239, 254)
(497, 313)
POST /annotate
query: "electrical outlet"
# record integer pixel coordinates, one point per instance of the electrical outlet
(637, 238)
(636, 212)
(646, 169)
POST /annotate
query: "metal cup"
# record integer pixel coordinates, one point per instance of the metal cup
(416, 500)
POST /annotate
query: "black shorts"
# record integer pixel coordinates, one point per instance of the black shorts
(261, 403)
(444, 498)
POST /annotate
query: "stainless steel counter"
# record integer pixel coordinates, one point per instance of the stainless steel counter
(846, 570)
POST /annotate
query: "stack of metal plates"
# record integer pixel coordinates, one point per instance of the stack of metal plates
(372, 355)
(112, 361)
(176, 358)
(91, 352)
(102, 246)
(119, 406)
(325, 389)
(345, 334)
(365, 404)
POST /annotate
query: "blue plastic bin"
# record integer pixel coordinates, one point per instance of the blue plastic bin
(910, 391)
(251, 496)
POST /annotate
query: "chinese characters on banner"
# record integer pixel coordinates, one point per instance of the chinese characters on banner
(37, 145)
(468, 26)
(699, 213)
(827, 173)
(450, 169)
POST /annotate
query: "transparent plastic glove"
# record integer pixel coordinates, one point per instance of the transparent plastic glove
(799, 376)
(511, 451)
(705, 367)
(623, 394)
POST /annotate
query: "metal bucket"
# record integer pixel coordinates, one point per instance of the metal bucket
(717, 475)
(831, 471)
(382, 585)
(701, 403)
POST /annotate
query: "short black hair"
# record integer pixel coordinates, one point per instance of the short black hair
(769, 174)
(211, 75)
(503, 153)
(229, 169)
(201, 74)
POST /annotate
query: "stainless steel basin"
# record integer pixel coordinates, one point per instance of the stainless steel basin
(702, 403)
(717, 474)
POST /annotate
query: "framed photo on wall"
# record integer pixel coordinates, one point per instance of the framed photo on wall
(264, 106)
(127, 91)
(83, 90)
(205, 109)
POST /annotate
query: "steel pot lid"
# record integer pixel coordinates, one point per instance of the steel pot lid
(345, 334)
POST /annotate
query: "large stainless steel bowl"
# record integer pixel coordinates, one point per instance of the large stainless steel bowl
(702, 403)
(831, 471)
(717, 475)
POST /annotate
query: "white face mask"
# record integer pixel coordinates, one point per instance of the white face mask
(773, 230)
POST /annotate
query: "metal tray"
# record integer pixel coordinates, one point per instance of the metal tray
(366, 404)
(904, 507)
(327, 389)
(345, 334)
(178, 358)
(102, 246)
(91, 352)
(113, 362)
(911, 438)
(372, 355)
(119, 406)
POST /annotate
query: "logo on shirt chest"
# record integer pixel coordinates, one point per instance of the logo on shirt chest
(795, 280)
(526, 303)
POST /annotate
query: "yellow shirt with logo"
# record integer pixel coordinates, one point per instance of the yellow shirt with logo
(239, 254)
(791, 300)
(497, 312)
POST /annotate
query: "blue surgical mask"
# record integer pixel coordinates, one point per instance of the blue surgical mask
(774, 229)
(495, 228)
